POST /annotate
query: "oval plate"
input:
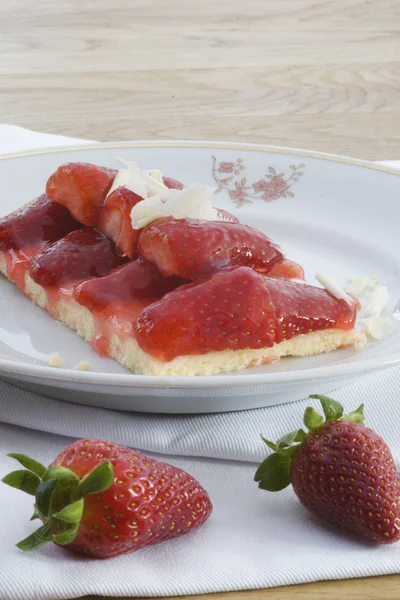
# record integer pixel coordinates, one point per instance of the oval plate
(331, 214)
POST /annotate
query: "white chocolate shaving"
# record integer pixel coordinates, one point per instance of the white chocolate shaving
(378, 327)
(160, 201)
(131, 178)
(360, 285)
(333, 287)
(191, 202)
(376, 302)
(374, 299)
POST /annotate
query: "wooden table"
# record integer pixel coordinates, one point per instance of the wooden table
(316, 74)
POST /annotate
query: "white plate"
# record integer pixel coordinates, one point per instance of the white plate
(340, 216)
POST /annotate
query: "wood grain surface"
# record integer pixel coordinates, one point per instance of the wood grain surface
(373, 588)
(315, 74)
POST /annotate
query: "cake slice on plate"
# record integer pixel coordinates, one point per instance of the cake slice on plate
(152, 275)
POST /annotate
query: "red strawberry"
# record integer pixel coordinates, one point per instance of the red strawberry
(34, 224)
(82, 188)
(114, 220)
(102, 500)
(236, 308)
(341, 471)
(137, 280)
(82, 254)
(287, 269)
(192, 248)
(173, 184)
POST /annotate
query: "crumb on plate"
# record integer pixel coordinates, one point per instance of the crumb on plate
(55, 360)
(84, 365)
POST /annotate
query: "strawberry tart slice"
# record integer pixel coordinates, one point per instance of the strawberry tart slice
(150, 273)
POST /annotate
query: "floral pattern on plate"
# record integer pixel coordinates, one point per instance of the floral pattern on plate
(228, 176)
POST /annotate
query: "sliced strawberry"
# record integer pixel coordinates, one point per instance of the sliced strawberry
(137, 280)
(302, 308)
(80, 255)
(82, 188)
(173, 184)
(236, 309)
(114, 220)
(287, 269)
(34, 224)
(192, 248)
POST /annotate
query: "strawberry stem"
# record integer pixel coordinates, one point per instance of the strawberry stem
(59, 498)
(71, 513)
(312, 419)
(44, 497)
(333, 410)
(66, 537)
(96, 481)
(357, 416)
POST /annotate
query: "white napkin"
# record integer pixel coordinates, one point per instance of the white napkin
(253, 539)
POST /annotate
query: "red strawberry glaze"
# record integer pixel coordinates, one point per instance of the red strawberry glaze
(135, 280)
(80, 255)
(27, 230)
(17, 262)
(117, 299)
(193, 248)
(34, 224)
(117, 318)
(287, 269)
(236, 309)
(18, 265)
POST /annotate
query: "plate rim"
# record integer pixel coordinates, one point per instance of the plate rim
(244, 146)
(201, 381)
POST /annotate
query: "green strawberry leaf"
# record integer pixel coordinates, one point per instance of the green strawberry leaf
(66, 537)
(290, 451)
(26, 481)
(269, 444)
(60, 473)
(38, 538)
(273, 474)
(72, 513)
(29, 463)
(290, 438)
(44, 496)
(98, 480)
(357, 416)
(312, 419)
(333, 410)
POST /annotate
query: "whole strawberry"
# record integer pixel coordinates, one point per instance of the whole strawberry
(102, 500)
(341, 471)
